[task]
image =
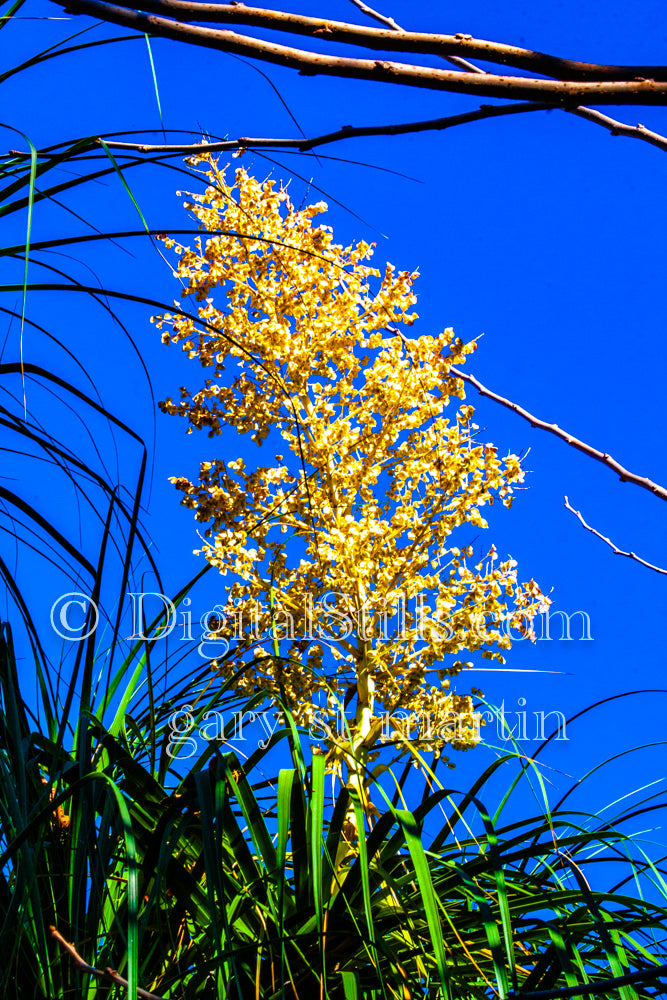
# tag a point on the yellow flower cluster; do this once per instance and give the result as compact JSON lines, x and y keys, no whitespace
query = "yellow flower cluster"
{"x":357,"y":523}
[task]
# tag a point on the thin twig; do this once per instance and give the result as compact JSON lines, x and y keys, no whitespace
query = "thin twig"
{"x":389,"y":22}
{"x":604,"y":457}
{"x":346,"y":132}
{"x":107,"y":974}
{"x":464,"y":64}
{"x":352,"y":131}
{"x":614,"y":548}
{"x":601,"y":85}
{"x":382,"y":18}
{"x":434,"y":124}
{"x":620,"y":128}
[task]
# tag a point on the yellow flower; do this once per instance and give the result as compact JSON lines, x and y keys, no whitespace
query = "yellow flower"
{"x":378,"y":480}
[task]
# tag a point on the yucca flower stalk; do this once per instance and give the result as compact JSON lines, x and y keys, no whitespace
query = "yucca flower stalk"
{"x":383,"y":471}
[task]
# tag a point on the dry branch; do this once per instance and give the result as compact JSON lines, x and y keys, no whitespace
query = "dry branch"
{"x":110,"y":975}
{"x":614,"y":548}
{"x":600,"y":84}
{"x":624,"y":474}
{"x":391,"y":23}
{"x":353,"y":131}
{"x":391,"y":38}
{"x":346,"y":132}
{"x":614,"y":127}
{"x":402,"y":128}
{"x":619,"y":128}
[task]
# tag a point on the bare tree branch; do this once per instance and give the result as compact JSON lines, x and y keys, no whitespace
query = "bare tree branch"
{"x":346,"y":132}
{"x":619,"y":128}
{"x":389,"y":22}
{"x":510,"y":55}
{"x":601,"y":85}
{"x":624,"y":474}
{"x":614,"y":548}
{"x":392,"y":38}
{"x":434,"y":124}
{"x":108,"y":974}
{"x":616,"y":128}
{"x":352,"y":131}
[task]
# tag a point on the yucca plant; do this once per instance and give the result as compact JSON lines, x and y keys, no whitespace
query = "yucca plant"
{"x":467,"y":911}
{"x":216,"y":876}
{"x":228,"y":883}
{"x":127,"y":870}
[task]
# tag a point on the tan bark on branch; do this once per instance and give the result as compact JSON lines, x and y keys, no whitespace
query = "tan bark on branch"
{"x":389,"y":22}
{"x":620,"y":128}
{"x":614,"y":548}
{"x":393,"y":38}
{"x":346,"y":132}
{"x":356,"y":131}
{"x":400,"y":128}
{"x":600,"y":85}
{"x":624,"y":474}
{"x":110,"y":975}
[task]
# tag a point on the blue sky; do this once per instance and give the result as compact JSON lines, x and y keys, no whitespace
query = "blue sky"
{"x":540,"y":233}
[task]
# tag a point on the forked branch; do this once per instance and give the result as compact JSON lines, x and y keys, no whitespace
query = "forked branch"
{"x":356,"y":131}
{"x":400,"y":128}
{"x":574,"y":84}
{"x":388,"y":39}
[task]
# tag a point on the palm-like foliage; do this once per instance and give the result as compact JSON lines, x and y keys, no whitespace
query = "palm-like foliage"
{"x":232,"y":884}
{"x":231,"y":880}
